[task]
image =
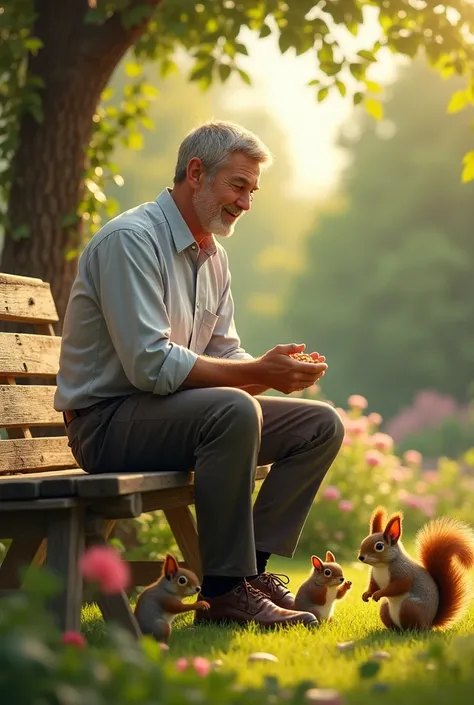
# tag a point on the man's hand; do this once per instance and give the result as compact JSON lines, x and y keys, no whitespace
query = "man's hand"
{"x":277,"y":370}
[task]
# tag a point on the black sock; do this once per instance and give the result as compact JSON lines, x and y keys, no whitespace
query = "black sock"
{"x":215,"y":585}
{"x":262,"y":558}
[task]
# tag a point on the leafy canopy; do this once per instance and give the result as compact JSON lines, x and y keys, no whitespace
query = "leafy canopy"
{"x":212,"y":34}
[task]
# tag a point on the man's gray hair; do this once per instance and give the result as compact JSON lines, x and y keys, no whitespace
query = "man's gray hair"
{"x":213,"y":142}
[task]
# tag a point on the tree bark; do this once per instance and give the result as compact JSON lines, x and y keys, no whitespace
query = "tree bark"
{"x":75,"y":63}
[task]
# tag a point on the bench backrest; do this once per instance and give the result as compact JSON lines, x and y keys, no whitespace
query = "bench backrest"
{"x":28,"y":367}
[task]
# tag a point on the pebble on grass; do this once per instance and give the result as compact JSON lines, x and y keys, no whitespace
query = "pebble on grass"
{"x":324,"y":696}
{"x":381,"y":656}
{"x":262,"y":656}
{"x":346,"y":646}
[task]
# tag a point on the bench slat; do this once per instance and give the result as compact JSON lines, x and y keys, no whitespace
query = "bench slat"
{"x":25,"y":355}
{"x":26,"y":299}
{"x":28,"y":405}
{"x":32,"y":455}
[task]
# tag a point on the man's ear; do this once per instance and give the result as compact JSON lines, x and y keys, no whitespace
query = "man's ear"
{"x":393,"y":530}
{"x":194,"y":172}
{"x":330,"y":557}
{"x":317,"y":562}
{"x":170,"y":566}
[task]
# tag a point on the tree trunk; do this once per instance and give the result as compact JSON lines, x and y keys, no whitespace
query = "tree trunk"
{"x":75,"y":63}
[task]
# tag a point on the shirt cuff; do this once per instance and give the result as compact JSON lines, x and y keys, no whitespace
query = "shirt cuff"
{"x":174,"y":370}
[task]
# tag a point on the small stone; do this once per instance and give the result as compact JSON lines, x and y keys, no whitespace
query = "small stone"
{"x":324,"y":696}
{"x":164,"y":647}
{"x":217,"y":663}
{"x":262,"y":656}
{"x":345,"y":645}
{"x":381,"y":656}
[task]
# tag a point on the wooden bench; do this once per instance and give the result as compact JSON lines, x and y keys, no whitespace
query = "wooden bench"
{"x":49,"y":507}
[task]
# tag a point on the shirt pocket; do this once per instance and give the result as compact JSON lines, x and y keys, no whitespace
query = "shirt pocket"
{"x":206,"y":329}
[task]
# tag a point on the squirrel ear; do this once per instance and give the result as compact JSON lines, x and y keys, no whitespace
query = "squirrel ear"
{"x":330,"y":557}
{"x":317,"y":562}
{"x":393,"y":530}
{"x":170,"y":566}
{"x":377,"y":520}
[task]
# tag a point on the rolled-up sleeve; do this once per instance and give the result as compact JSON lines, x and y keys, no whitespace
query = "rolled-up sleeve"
{"x":127,"y":276}
{"x":225,"y":341}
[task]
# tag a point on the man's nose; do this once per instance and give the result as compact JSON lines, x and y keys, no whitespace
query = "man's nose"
{"x":243,"y":202}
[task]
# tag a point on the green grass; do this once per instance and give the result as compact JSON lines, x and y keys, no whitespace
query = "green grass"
{"x":312,"y":655}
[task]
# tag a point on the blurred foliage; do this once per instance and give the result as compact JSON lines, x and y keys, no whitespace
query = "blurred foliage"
{"x":392,"y":271}
{"x":210,"y":33}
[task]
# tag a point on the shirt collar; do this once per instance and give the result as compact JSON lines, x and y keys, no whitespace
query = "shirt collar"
{"x":181,"y":234}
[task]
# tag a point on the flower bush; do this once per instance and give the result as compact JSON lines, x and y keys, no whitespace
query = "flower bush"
{"x":366,"y":473}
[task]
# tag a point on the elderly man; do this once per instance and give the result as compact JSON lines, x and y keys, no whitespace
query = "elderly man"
{"x":153,"y":377}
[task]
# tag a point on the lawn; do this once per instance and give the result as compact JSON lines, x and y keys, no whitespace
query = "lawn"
{"x":434,"y":668}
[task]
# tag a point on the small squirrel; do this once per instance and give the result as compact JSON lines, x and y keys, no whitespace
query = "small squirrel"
{"x":159,"y":603}
{"x":325,"y":585}
{"x":432,"y":591}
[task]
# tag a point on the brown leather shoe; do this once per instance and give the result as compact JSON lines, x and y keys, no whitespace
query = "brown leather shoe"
{"x":272,"y":585}
{"x":244,"y":604}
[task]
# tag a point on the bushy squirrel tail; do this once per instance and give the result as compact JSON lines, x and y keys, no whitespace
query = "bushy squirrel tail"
{"x":445,"y":548}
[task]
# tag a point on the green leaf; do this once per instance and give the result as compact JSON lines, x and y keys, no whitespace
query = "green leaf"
{"x":358,"y":71}
{"x":241,"y":49}
{"x":133,"y":69}
{"x":468,"y":170}
{"x":244,"y":76}
{"x":224,"y":72}
{"x":32,"y":44}
{"x":265,"y":31}
{"x":202,"y":69}
{"x":372,"y":86}
{"x":357,"y":98}
{"x":135,"y":140}
{"x":367,"y":55}
{"x":369,"y":669}
{"x":459,"y":101}
{"x":314,"y":82}
{"x":341,"y":88}
{"x":322,"y":94}
{"x":374,"y":108}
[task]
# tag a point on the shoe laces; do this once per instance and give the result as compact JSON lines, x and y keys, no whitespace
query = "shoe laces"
{"x":249,"y":593}
{"x":274,"y":580}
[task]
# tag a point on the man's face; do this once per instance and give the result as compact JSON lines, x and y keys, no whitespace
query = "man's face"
{"x":219,"y":204}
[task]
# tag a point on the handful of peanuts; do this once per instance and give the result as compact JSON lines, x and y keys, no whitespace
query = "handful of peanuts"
{"x":304,"y":357}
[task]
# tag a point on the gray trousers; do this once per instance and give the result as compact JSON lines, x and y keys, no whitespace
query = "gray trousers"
{"x":223,"y":433}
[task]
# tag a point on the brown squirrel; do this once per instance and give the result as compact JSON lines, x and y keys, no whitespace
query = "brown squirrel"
{"x":159,"y":603}
{"x":325,"y":585}
{"x":430,"y":592}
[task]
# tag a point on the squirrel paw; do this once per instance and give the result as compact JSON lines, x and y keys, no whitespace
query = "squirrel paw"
{"x":202,"y":605}
{"x":377,"y":595}
{"x":366,"y":596}
{"x":348,"y":584}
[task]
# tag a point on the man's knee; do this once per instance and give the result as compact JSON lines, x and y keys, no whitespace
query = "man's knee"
{"x":242,"y":410}
{"x":331,"y":424}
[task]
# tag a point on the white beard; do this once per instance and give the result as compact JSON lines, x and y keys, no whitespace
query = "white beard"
{"x":210,"y":214}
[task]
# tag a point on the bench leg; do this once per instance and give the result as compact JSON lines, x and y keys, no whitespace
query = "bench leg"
{"x":23,"y":551}
{"x":65,"y":546}
{"x":115,"y":608}
{"x":183,"y":526}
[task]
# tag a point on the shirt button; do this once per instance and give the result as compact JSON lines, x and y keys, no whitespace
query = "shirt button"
{"x":197,"y":307}
{"x":193,"y":247}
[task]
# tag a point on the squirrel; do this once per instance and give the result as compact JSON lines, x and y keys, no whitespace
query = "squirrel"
{"x":325,"y":585}
{"x":159,"y":603}
{"x":430,"y":592}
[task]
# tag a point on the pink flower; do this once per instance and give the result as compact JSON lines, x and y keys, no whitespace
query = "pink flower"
{"x":74,"y":639}
{"x":202,"y":666}
{"x":331,"y":493}
{"x":413,"y":457}
{"x":357,"y":427}
{"x":357,"y":401}
{"x":347,"y":441}
{"x":182,"y":664}
{"x":430,"y":475}
{"x":382,"y":441}
{"x":345,"y":505}
{"x":374,"y":419}
{"x":373,"y":458}
{"x":103,"y":564}
{"x":397,"y":474}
